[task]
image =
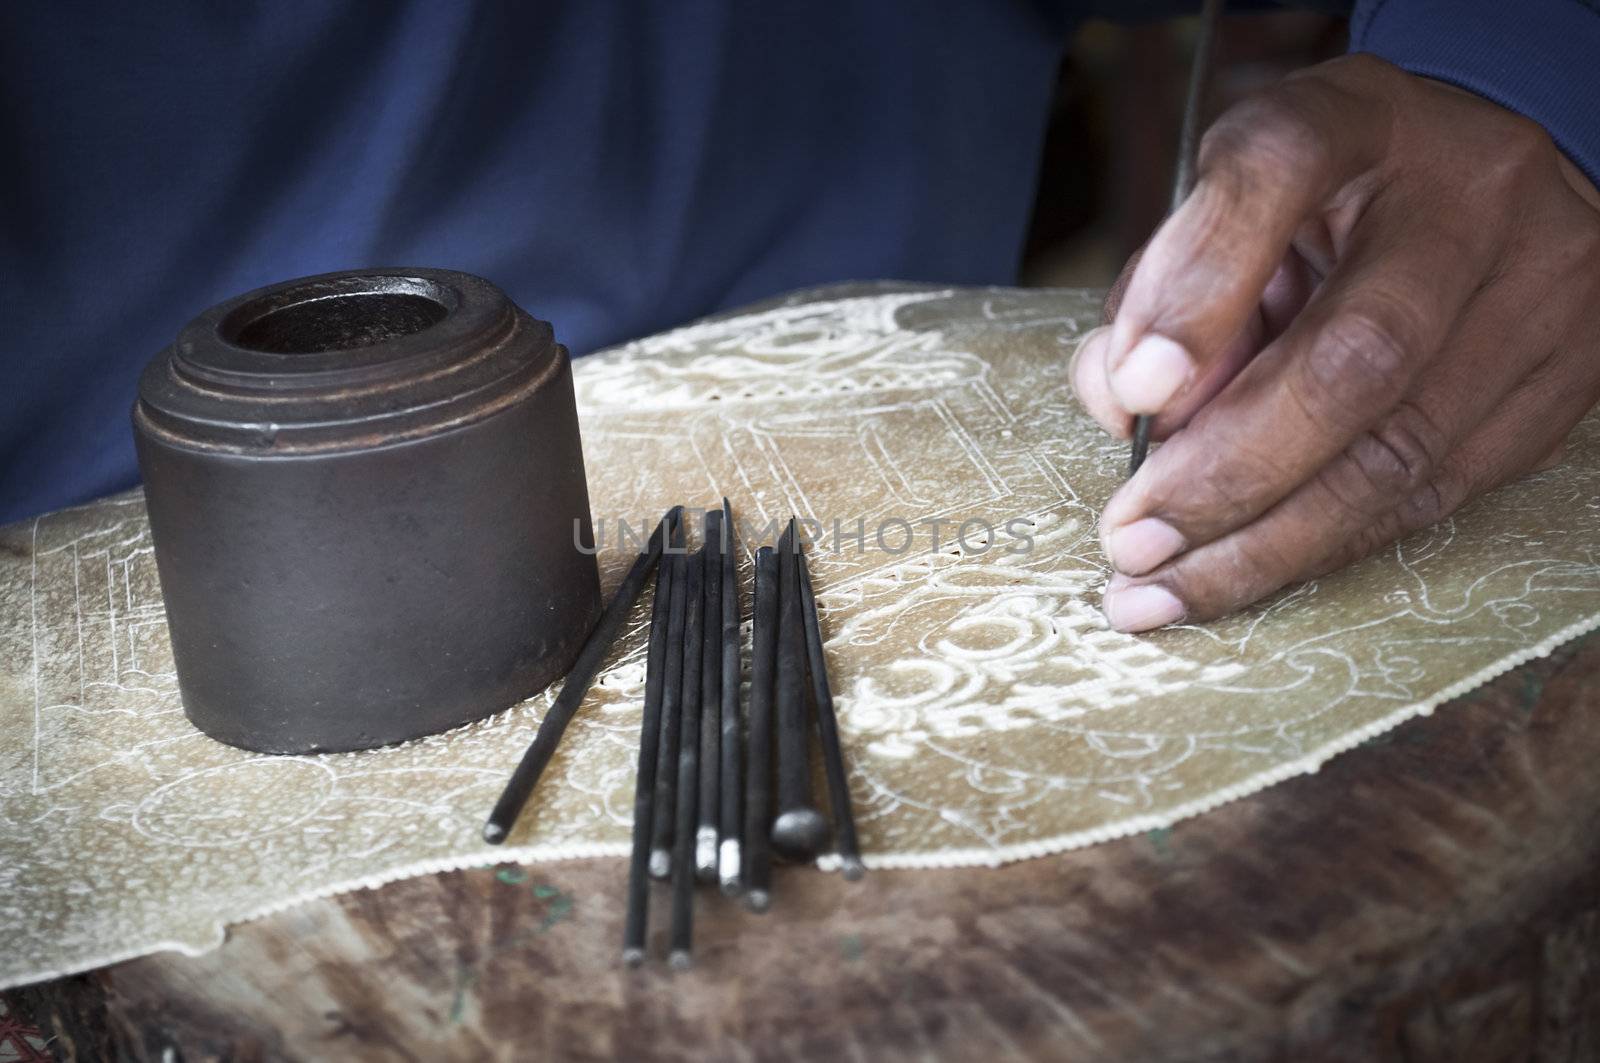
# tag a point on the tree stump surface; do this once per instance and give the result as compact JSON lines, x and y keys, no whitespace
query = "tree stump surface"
{"x":1431,"y":895}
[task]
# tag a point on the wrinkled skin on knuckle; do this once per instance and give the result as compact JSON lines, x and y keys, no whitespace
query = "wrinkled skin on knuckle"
{"x":1362,"y":359}
{"x":1400,"y":455}
{"x":1392,"y":464}
{"x":1378,"y":470}
{"x":1429,"y":502}
{"x":1379,"y":528}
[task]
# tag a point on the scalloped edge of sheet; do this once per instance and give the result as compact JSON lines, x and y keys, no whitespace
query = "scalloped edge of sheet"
{"x":950,"y":858}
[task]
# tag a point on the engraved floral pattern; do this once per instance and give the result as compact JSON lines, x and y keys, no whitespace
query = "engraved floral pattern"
{"x":988,"y":712}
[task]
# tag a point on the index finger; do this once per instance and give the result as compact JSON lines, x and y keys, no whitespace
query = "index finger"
{"x":1265,"y":167}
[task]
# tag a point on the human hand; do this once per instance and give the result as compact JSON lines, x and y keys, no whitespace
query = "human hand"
{"x":1381,"y":300}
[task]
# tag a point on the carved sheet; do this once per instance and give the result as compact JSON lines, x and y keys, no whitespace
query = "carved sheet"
{"x":987,"y":711}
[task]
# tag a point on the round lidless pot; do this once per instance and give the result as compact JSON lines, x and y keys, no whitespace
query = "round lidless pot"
{"x":366,"y":491}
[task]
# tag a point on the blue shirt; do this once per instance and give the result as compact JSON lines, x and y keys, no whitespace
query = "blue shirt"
{"x":616,"y":170}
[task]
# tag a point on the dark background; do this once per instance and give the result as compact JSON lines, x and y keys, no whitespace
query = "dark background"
{"x":1106,"y":176}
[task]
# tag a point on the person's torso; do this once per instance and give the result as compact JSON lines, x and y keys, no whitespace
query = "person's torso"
{"x":615,"y":168}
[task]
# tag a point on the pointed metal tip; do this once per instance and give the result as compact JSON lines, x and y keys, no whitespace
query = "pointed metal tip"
{"x":493,"y":833}
{"x":1141,"y":443}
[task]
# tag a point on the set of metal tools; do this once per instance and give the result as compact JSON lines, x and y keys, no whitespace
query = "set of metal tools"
{"x":718,"y":791}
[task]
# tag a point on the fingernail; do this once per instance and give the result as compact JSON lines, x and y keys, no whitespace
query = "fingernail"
{"x":1139,"y":547}
{"x":1151,"y":374}
{"x":1141,"y":608}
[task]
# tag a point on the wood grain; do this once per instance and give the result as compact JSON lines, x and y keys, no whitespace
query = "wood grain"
{"x":1430,"y":896}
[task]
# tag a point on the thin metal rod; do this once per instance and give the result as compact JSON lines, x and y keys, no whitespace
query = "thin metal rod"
{"x":637,"y":926}
{"x":758,"y":764}
{"x":1186,"y":171}
{"x":1200,"y":70}
{"x":800,"y":832}
{"x":688,"y":765}
{"x":732,"y":817}
{"x":844,"y":819}
{"x":1141,"y":442}
{"x":566,"y":703}
{"x":705,"y":839}
{"x":661,"y":821}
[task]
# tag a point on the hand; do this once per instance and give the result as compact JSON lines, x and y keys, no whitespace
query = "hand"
{"x":1381,"y":300}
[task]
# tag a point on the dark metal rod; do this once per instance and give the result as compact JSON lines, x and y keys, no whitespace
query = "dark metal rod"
{"x":800,"y":831}
{"x":671,"y":705}
{"x":1184,"y":174}
{"x":844,"y":819}
{"x":566,"y":703}
{"x":758,"y":759}
{"x":637,"y":925}
{"x":732,"y":745}
{"x":1200,"y":68}
{"x":688,"y":765}
{"x":705,"y":839}
{"x":1141,"y":443}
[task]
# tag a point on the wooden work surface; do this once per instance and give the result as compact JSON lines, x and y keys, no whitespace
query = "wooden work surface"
{"x":1432,"y":895}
